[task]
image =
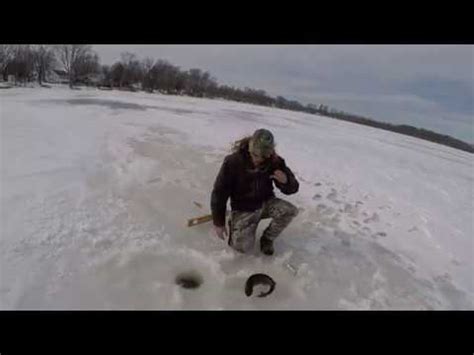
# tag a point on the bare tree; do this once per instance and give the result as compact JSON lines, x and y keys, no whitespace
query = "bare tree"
{"x":116,"y":74}
{"x":147,"y":66}
{"x":194,"y":82}
{"x":85,"y":66}
{"x":212,"y":87}
{"x":106,"y":77}
{"x":170,"y":78}
{"x":22,"y":63}
{"x":70,"y":55}
{"x":181,"y":80}
{"x":127,"y":57}
{"x":159,"y":76}
{"x":7,"y":52}
{"x":133,"y":70}
{"x":44,"y":60}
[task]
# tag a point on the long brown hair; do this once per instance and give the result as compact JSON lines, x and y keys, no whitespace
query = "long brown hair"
{"x":240,"y":144}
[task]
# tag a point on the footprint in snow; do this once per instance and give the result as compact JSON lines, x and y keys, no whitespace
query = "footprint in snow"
{"x":456,"y":262}
{"x":332,"y":196}
{"x":373,"y":218}
{"x":344,"y":238}
{"x":346,"y":242}
{"x":379,"y":234}
{"x":154,"y":180}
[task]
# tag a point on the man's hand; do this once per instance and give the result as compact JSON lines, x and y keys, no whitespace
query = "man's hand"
{"x":280,"y":176}
{"x":221,"y":231}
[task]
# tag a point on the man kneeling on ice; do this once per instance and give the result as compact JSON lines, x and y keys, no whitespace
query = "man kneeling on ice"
{"x":247,"y":176}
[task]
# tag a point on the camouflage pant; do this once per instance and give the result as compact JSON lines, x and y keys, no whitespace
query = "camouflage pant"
{"x":243,"y":225}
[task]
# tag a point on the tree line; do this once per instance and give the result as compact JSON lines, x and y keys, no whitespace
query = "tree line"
{"x":27,"y":63}
{"x":80,"y":64}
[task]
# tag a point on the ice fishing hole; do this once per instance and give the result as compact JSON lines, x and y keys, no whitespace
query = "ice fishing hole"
{"x":189,"y":279}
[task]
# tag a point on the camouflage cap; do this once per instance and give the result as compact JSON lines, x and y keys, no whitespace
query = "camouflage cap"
{"x":262,"y":143}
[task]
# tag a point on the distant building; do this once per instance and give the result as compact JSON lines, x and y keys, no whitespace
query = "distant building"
{"x":58,"y":76}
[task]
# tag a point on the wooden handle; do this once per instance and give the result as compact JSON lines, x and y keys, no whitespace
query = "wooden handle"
{"x":198,"y":220}
{"x":202,"y":219}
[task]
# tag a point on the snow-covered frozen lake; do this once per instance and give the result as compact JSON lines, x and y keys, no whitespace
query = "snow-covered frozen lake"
{"x":96,"y":188}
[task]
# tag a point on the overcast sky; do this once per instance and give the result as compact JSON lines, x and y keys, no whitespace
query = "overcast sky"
{"x":428,"y":86}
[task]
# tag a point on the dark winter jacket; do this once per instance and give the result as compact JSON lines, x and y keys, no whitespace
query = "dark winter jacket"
{"x":246,"y":186}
